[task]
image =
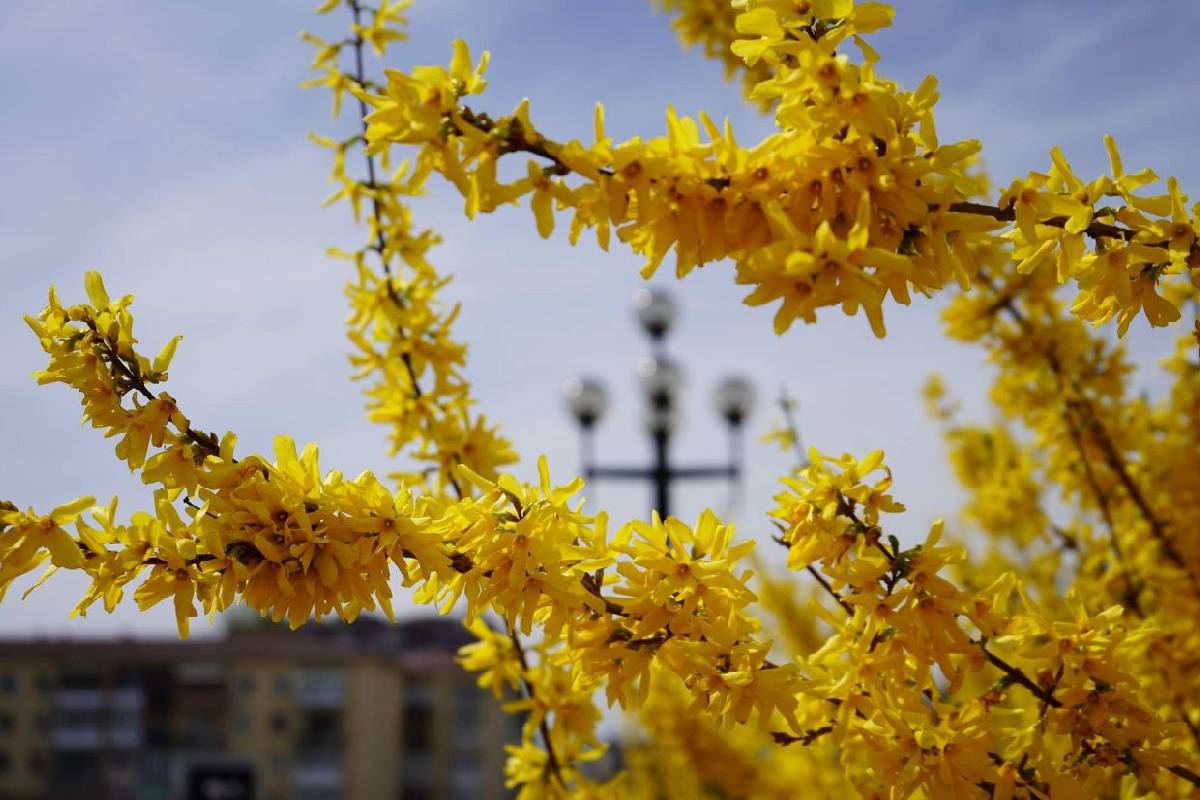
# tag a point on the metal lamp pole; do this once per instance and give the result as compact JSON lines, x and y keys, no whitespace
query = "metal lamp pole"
{"x":662,"y":381}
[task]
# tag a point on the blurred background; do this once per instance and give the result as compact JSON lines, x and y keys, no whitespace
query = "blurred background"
{"x":164,"y":144}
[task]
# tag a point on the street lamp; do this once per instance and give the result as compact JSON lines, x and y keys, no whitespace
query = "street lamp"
{"x":661,"y":380}
{"x":735,"y":399}
{"x":587,"y":398}
{"x":655,"y":311}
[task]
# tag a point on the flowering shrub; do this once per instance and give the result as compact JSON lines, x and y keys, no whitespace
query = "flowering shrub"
{"x":1060,"y":663}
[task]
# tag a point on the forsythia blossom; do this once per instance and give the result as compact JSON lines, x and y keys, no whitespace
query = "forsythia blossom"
{"x":852,"y":200}
{"x":1059,"y":661}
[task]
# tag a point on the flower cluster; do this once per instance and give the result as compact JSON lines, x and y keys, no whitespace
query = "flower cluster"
{"x":401,"y":333}
{"x":852,"y":200}
{"x":1119,"y":463}
{"x":938,"y":691}
{"x":295,"y":544}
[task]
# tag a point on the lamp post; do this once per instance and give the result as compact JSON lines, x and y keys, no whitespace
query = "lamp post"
{"x":661,"y":380}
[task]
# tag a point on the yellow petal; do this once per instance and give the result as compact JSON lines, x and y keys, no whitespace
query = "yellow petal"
{"x":163,"y":360}
{"x":543,"y":213}
{"x":64,"y":551}
{"x":94,"y":285}
{"x":67,"y":512}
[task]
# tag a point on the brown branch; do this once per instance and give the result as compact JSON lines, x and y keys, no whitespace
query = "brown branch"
{"x":808,"y":737}
{"x":828,"y":588}
{"x":1095,"y":230}
{"x":551,"y":758}
{"x":515,"y":139}
{"x":593,"y":582}
{"x":793,"y":429}
{"x":820,"y":578}
{"x":460,"y":562}
{"x":1112,"y":456}
{"x":1185,"y":773}
{"x":380,"y":246}
{"x":207,"y":442}
{"x":846,"y":508}
{"x":1191,"y":726}
{"x":1013,"y":675}
{"x":1132,"y":592}
{"x":1018,"y":677}
{"x":873,"y":533}
{"x":1158,"y":528}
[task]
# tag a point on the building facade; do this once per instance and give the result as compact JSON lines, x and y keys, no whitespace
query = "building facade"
{"x":368,"y":711}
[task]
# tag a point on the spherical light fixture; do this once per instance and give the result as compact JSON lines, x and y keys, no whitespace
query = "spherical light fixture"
{"x":735,"y":399}
{"x":661,"y":379}
{"x":587,"y":399}
{"x":655,"y":311}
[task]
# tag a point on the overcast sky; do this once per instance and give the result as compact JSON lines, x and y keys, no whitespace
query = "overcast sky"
{"x":164,"y":144}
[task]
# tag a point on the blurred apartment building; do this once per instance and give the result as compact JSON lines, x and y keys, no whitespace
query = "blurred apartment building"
{"x":329,"y":712}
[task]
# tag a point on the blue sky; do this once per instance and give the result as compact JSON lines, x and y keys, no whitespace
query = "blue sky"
{"x":164,"y":143}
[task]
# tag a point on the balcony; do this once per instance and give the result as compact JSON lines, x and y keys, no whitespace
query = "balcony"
{"x":320,"y":690}
{"x":318,"y":772}
{"x":77,"y":738}
{"x":99,"y":699}
{"x":96,"y":737}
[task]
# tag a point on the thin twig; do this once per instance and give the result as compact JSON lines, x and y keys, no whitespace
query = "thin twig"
{"x":514,"y":138}
{"x":828,"y":588}
{"x":551,"y":758}
{"x":787,"y":408}
{"x":1185,"y":773}
{"x":1132,"y":592}
{"x":1112,"y":456}
{"x":1018,"y":677}
{"x":205,"y":441}
{"x":377,"y":213}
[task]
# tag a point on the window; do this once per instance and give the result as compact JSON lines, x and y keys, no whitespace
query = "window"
{"x":320,"y":689}
{"x":320,"y":731}
{"x":418,"y":716}
{"x":80,"y":680}
{"x":5,"y":762}
{"x":466,"y":782}
{"x":282,"y":684}
{"x":8,"y":683}
{"x":467,"y":708}
{"x":6,"y":722}
{"x":245,"y":683}
{"x":416,"y":777}
{"x":199,"y":731}
{"x":416,"y":791}
{"x":467,"y":720}
{"x":418,"y":728}
{"x":418,"y":692}
{"x":279,"y":722}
